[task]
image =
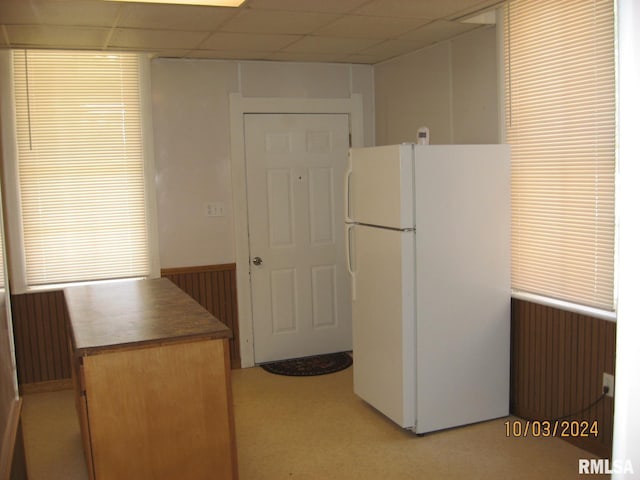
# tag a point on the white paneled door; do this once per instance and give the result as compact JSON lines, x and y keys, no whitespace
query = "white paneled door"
{"x":299,"y":282}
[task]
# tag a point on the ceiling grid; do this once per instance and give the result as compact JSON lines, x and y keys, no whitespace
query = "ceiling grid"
{"x":343,"y":31}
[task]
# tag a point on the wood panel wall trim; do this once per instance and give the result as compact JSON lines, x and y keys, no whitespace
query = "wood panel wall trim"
{"x":40,"y":322}
{"x":202,"y":268}
{"x":48,"y":386}
{"x":11,"y":442}
{"x":215,"y":288}
{"x":557,"y":361}
{"x":40,"y":332}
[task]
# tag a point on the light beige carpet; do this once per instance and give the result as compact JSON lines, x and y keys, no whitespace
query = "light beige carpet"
{"x":315,"y":428}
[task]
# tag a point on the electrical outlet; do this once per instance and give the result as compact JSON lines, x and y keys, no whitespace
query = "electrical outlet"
{"x":607,"y":381}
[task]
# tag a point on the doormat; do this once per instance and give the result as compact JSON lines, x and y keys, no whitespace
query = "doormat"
{"x":309,"y":366}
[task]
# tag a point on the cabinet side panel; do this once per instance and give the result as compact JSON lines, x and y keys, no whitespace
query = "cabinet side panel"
{"x":77,"y":376}
{"x":161,"y":412}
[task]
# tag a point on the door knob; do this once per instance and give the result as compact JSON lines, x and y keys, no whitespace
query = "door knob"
{"x":257,"y":261}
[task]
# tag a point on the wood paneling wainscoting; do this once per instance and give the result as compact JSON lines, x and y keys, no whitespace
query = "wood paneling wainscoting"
{"x":213,"y":287}
{"x":40,"y":329}
{"x":40,"y":322}
{"x":557,"y":362}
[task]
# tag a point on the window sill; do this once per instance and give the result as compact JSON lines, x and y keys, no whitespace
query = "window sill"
{"x":564,"y":305}
{"x":61,"y":286}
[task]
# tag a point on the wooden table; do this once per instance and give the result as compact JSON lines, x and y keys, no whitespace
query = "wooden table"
{"x":152,"y":379}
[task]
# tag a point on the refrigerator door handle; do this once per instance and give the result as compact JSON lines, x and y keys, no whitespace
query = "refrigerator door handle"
{"x":349,"y":252}
{"x":347,"y":195}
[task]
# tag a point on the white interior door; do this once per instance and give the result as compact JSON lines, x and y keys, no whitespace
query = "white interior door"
{"x":300,"y":288}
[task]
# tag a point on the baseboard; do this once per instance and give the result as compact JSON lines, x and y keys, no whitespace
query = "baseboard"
{"x":49,"y":386}
{"x":198,"y":269}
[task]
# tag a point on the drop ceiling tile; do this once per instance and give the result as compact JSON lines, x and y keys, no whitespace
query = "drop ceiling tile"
{"x":18,"y":12}
{"x":168,"y":53}
{"x":474,"y":8}
{"x":68,"y":12}
{"x":251,"y":32}
{"x":391,"y":48}
{"x":317,"y":6}
{"x":342,"y":45}
{"x":431,"y":9}
{"x":249,"y":42}
{"x":369,"y":59}
{"x":264,"y":21}
{"x":370,"y":27}
{"x":308,"y":57}
{"x":154,"y":52}
{"x":156,"y":39}
{"x":436,"y":31}
{"x":85,"y":13}
{"x":47,"y":36}
{"x":174,"y":17}
{"x":229,"y":55}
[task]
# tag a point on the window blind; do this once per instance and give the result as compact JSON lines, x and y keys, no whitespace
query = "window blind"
{"x":560,"y":115}
{"x":80,"y":165}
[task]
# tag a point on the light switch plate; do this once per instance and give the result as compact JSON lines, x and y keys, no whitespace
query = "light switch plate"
{"x":214,"y":209}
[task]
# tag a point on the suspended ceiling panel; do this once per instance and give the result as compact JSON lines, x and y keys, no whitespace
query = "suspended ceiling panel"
{"x":353,"y":31}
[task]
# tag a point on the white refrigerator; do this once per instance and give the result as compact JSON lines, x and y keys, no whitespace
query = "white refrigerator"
{"x":428,"y":251}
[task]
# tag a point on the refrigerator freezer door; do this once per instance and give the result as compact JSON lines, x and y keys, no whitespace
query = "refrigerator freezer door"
{"x":380,"y":186}
{"x":383,"y":312}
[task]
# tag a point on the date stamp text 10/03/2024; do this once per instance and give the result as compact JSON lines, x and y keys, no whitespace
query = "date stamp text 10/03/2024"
{"x":551,"y":428}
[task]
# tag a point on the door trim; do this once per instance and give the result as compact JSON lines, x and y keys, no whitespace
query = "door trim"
{"x":238,"y":107}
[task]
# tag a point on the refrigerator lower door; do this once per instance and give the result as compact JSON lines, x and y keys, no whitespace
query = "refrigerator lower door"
{"x":383,"y":262}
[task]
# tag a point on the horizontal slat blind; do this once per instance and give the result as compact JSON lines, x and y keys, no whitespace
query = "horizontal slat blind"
{"x":560,"y":111}
{"x":79,"y":135}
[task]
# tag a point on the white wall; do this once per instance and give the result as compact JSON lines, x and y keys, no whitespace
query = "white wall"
{"x":450,"y":87}
{"x":626,"y":424}
{"x":475,"y":88}
{"x":191,"y":141}
{"x":191,"y":131}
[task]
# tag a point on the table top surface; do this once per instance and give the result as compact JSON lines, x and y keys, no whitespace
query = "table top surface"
{"x":115,"y":315}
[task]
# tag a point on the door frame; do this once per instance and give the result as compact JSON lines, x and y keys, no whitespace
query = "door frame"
{"x":238,"y":107}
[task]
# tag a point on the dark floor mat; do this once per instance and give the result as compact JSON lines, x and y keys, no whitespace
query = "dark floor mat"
{"x":309,"y":366}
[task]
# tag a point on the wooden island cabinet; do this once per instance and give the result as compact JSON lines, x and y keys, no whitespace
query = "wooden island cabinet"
{"x":152,"y":378}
